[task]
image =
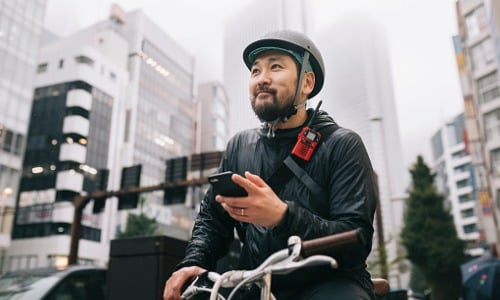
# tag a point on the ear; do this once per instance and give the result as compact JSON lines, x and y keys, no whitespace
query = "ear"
{"x":308,"y":83}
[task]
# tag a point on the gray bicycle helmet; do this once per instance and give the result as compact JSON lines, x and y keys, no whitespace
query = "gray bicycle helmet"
{"x":291,"y":42}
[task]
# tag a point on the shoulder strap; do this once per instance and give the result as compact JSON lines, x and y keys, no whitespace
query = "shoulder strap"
{"x":294,"y":166}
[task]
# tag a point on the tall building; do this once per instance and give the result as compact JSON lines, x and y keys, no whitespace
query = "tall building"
{"x":21,"y":25}
{"x":477,"y":52}
{"x":114,"y":95}
{"x":213,"y":115}
{"x":71,"y":141}
{"x":159,"y":111}
{"x":359,"y":95}
{"x":452,"y":165}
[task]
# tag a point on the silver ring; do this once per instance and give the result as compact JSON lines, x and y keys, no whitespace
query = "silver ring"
{"x":242,"y":212}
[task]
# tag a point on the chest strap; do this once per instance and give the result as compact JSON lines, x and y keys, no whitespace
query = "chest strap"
{"x":293,"y":166}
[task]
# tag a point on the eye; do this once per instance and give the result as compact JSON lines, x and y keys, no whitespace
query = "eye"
{"x":254,"y":71}
{"x":276,"y":66}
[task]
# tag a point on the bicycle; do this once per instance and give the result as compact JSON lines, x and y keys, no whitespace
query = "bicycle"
{"x":298,"y":255}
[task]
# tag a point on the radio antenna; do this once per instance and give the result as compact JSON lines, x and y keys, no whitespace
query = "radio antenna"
{"x":314,"y":113}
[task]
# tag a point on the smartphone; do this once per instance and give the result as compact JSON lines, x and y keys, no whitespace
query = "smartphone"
{"x":223,"y":185}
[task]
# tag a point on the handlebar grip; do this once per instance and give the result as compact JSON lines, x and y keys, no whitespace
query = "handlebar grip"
{"x":330,"y":243}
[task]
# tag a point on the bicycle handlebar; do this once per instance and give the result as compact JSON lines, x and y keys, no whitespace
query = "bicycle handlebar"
{"x":299,"y":254}
{"x":327,"y":244}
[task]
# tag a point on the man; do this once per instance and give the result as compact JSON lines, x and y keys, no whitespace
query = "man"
{"x":336,"y":194}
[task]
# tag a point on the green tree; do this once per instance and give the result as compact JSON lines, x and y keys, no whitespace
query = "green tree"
{"x":417,"y":280}
{"x":430,"y":237}
{"x":139,"y":225}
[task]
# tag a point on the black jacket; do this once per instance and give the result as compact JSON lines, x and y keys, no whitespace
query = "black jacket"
{"x":340,"y":165}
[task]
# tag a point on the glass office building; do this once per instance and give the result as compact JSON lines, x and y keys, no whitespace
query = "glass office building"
{"x":21,"y":25}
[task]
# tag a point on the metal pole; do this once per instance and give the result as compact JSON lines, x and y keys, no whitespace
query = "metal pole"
{"x":384,"y":271}
{"x":79,"y":203}
{"x":76,"y":229}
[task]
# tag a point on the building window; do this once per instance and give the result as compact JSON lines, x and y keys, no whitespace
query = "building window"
{"x":61,"y":63}
{"x":461,"y":169}
{"x":18,"y":144}
{"x":492,"y":125}
{"x":458,"y":154}
{"x":7,"y":141}
{"x":490,"y":95}
{"x":471,"y":228}
{"x":465,"y":198}
{"x":487,"y":82}
{"x":466,"y":213}
{"x":77,"y":111}
{"x":463,"y":183}
{"x":42,"y":68}
{"x":128,"y":119}
{"x":437,"y":145}
{"x":476,"y":22}
{"x":482,"y":55}
{"x":82,"y":59}
{"x":495,"y":161}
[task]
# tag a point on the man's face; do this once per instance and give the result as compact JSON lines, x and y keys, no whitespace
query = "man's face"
{"x":272,"y":86}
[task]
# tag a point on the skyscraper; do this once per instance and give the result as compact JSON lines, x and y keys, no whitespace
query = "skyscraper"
{"x":213,"y":115}
{"x":21,"y":25}
{"x":359,"y":95}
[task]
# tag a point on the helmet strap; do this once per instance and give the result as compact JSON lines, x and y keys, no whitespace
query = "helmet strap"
{"x":293,"y":108}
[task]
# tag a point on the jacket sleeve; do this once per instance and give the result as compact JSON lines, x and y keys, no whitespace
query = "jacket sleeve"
{"x":352,"y":200}
{"x":212,"y":234}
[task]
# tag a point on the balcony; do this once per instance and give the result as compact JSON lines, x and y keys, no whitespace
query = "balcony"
{"x":76,"y":124}
{"x":69,"y":180}
{"x":73,"y":152}
{"x":80,"y":98}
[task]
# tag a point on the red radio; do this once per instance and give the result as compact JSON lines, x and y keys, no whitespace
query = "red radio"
{"x":307,"y":141}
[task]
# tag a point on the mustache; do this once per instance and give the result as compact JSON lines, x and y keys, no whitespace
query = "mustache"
{"x":265,"y":90}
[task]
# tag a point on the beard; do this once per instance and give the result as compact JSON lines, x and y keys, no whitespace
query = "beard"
{"x":270,"y":111}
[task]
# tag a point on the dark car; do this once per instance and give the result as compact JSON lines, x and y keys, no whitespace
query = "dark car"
{"x":71,"y":283}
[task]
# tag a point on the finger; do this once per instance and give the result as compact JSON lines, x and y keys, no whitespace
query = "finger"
{"x":236,"y":212}
{"x":244,"y":182}
{"x":255,"y":179}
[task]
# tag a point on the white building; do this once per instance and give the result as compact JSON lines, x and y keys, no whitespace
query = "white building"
{"x":453,"y":168}
{"x":116,"y":94}
{"x":73,"y":129}
{"x":478,"y":56}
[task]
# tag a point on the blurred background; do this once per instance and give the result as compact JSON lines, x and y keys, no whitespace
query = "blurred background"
{"x":109,"y":95}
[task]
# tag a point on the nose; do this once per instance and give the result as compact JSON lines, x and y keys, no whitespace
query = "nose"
{"x":263,"y":78}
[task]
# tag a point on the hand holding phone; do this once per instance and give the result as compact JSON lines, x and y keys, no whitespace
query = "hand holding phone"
{"x":223,"y":185}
